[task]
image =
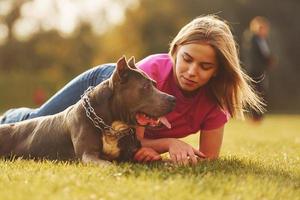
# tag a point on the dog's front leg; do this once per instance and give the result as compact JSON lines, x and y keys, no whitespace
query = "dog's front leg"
{"x":93,"y":158}
{"x":86,"y":141}
{"x":87,"y":148}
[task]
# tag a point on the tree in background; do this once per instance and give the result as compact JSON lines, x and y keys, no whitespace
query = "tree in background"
{"x":148,"y":27}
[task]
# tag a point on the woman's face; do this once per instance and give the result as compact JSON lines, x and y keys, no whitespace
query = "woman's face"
{"x":263,"y":31}
{"x":195,"y":65}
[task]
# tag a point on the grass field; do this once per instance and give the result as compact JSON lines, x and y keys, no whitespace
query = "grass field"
{"x":257,"y":162}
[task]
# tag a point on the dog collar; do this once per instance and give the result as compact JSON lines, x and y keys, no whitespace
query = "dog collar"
{"x":97,"y":121}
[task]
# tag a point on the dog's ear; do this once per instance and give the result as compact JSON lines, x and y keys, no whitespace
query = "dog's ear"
{"x":122,"y":65}
{"x":121,"y":72}
{"x":131,"y":62}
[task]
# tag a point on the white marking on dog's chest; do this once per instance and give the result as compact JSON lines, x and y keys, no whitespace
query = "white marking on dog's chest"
{"x":110,"y":146}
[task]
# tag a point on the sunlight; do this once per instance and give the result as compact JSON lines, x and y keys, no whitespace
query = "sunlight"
{"x":5,"y":7}
{"x":3,"y":33}
{"x":65,"y":15}
{"x":25,"y":27}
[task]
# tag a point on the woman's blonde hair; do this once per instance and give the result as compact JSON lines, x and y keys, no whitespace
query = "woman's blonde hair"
{"x":231,"y":87}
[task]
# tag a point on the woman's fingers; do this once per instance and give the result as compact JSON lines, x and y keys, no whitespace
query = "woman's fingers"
{"x":180,"y":158}
{"x":139,"y":155}
{"x":192,"y":157}
{"x":199,"y":153}
{"x":146,"y":158}
{"x":184,"y":159}
{"x":156,"y":158}
{"x":150,"y":158}
{"x":146,"y":154}
{"x":173,"y":158}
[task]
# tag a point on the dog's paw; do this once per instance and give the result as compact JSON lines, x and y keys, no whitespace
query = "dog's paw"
{"x":103,"y":163}
{"x":94,"y":159}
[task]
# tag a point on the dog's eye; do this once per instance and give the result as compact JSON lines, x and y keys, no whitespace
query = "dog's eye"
{"x":147,"y":86}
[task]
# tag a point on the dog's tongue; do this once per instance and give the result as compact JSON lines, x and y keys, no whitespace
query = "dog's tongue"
{"x":165,"y":122}
{"x":144,"y":120}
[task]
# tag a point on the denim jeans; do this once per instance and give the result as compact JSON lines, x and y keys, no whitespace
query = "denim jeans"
{"x":64,"y":98}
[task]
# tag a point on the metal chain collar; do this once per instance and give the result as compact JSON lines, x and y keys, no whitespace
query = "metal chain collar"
{"x":98,"y":121}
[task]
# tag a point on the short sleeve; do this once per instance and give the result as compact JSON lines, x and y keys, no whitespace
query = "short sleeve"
{"x":157,"y":67}
{"x":215,"y":119}
{"x":148,"y":66}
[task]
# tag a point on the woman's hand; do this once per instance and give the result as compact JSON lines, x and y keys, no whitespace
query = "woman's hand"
{"x":182,"y":153}
{"x":146,"y":154}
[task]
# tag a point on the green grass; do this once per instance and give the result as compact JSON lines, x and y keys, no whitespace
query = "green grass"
{"x":257,"y":162}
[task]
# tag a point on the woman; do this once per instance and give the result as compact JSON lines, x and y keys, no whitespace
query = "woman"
{"x":202,"y":71}
{"x":258,"y":58}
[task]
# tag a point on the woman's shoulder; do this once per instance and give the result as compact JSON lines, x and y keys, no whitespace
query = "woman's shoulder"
{"x":160,"y":59}
{"x":157,"y":66}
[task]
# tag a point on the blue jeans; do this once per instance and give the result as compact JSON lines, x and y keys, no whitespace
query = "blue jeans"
{"x":64,"y":98}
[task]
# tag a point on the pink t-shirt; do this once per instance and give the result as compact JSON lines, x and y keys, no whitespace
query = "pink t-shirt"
{"x":191,"y":114}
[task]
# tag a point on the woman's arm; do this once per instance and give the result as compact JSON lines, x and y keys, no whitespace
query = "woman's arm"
{"x":159,"y":145}
{"x":180,"y":152}
{"x":211,"y":142}
{"x":146,"y":153}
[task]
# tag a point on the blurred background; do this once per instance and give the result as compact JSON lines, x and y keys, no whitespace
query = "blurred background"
{"x":45,"y":43}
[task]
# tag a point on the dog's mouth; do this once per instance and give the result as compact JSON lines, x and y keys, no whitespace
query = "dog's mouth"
{"x":146,"y":120}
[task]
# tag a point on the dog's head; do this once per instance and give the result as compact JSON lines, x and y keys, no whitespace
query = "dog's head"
{"x":135,"y":99}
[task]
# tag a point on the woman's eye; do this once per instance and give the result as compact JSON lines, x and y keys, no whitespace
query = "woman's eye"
{"x":206,"y":67}
{"x":186,"y":59}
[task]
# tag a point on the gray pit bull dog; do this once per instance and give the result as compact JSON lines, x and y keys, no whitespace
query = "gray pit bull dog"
{"x":99,"y":128}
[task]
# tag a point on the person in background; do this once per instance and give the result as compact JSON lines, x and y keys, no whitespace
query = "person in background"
{"x":202,"y":70}
{"x":258,"y":58}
